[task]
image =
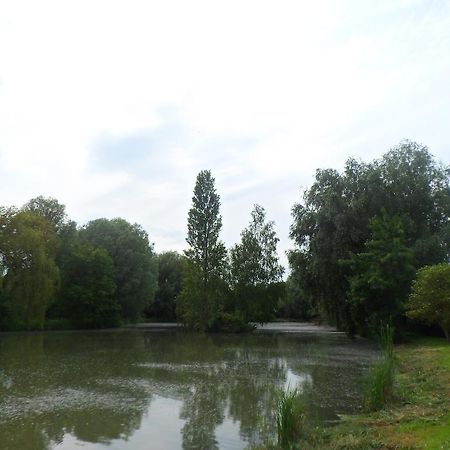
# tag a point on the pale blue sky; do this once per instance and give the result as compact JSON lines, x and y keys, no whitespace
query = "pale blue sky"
{"x":114,"y":106}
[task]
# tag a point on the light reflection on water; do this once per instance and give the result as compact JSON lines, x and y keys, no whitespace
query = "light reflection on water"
{"x":167,"y":390}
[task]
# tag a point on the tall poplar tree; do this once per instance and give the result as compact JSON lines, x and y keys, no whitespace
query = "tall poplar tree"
{"x":200,"y":301}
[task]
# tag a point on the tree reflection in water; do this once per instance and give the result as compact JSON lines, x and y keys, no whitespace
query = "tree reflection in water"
{"x":98,"y":386}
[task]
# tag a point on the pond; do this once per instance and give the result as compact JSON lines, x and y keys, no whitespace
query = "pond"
{"x":169,"y":389}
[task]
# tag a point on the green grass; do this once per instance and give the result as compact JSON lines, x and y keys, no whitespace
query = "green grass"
{"x":416,"y":418}
{"x":440,"y":346}
{"x":433,"y":433}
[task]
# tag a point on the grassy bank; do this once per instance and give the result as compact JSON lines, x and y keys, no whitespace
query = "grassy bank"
{"x":418,"y":417}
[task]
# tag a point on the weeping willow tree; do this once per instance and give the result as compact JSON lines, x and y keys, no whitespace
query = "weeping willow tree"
{"x":30,"y":277}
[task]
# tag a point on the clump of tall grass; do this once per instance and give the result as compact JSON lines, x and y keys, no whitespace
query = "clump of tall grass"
{"x":379,"y":385}
{"x":290,"y":417}
{"x":386,"y":338}
{"x":380,"y":381}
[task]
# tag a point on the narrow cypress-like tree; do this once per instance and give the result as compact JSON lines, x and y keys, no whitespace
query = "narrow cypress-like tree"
{"x":199,"y":302}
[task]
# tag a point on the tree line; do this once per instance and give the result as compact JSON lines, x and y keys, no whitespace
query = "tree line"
{"x":228,"y":290}
{"x":54,"y":274}
{"x":360,"y":236}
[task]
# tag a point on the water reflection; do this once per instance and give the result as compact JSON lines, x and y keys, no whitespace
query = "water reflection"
{"x":167,"y":390}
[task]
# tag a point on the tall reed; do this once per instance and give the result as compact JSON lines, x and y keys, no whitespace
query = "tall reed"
{"x":380,"y":381}
{"x":289,"y":417}
{"x":386,"y":339}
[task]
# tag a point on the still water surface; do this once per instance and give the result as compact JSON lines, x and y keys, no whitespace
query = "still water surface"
{"x":168,"y":389}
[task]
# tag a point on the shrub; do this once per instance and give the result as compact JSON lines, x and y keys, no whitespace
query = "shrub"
{"x":430,"y":297}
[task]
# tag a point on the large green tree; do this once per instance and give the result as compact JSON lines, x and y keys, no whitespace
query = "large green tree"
{"x":324,"y":233}
{"x":5,"y":216}
{"x":417,"y":188}
{"x":201,"y":298}
{"x":255,"y":269}
{"x":333,"y":220}
{"x":30,"y":277}
{"x":255,"y":260}
{"x":50,"y":209}
{"x":135,"y":263}
{"x":87,"y":288}
{"x":381,"y":274}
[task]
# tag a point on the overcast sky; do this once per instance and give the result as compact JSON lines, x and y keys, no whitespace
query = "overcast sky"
{"x":113,"y":107}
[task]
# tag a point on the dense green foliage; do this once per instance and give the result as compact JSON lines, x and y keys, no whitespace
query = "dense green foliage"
{"x":170,"y":266}
{"x":345,"y":260}
{"x":30,"y":276}
{"x":381,"y":275}
{"x":50,"y":209}
{"x":50,"y":270}
{"x":294,"y":304}
{"x":87,"y":290}
{"x":200,"y":307}
{"x":53,"y":274}
{"x":135,"y":264}
{"x":430,"y":297}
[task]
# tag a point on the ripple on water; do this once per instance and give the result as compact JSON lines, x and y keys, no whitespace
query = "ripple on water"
{"x":130,"y":390}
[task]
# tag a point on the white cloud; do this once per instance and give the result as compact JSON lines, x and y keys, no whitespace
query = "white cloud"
{"x":261,"y":92}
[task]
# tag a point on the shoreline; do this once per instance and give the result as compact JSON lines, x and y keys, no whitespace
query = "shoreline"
{"x":270,"y":327}
{"x":418,"y":417}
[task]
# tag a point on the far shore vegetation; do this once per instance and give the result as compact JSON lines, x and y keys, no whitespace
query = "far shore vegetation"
{"x":360,"y":238}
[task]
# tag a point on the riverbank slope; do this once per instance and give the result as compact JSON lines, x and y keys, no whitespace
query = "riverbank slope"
{"x":417,"y":418}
